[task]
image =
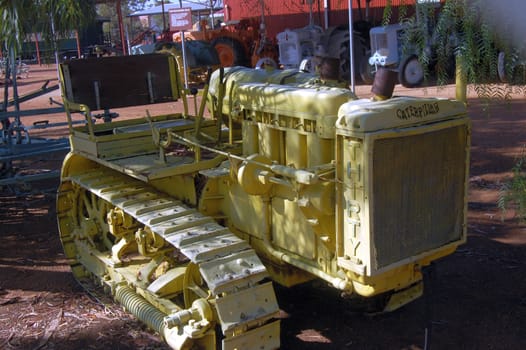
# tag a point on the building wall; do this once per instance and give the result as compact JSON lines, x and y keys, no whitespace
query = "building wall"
{"x":290,"y":14}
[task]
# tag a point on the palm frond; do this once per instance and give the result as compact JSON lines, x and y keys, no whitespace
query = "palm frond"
{"x":22,"y":17}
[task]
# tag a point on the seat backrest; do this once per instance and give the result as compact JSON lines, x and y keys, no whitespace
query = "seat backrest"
{"x":121,"y":81}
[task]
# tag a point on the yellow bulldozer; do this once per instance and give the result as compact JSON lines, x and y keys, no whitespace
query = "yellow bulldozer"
{"x":188,"y":221}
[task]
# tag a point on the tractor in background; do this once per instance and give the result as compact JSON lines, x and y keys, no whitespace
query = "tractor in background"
{"x":387,"y":52}
{"x":238,"y":43}
{"x":326,"y":51}
{"x":308,"y":47}
{"x":395,"y":47}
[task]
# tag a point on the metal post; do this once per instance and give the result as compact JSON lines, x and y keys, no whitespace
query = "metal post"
{"x":37,"y":47}
{"x":12,"y":61}
{"x":78,"y":43}
{"x":184,"y":53}
{"x":326,"y":13}
{"x":121,"y":27}
{"x":311,"y":16}
{"x":164,"y":19}
{"x":212,"y":13}
{"x":128,"y":41}
{"x":184,"y":60}
{"x":55,"y":46}
{"x":351,"y":49}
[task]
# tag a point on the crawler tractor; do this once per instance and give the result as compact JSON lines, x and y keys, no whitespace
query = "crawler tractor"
{"x":187,"y":221}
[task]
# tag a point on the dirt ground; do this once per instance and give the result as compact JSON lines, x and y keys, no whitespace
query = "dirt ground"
{"x":478,"y":298}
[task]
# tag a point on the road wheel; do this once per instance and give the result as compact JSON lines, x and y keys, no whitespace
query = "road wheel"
{"x":411,"y":72}
{"x":230,"y":52}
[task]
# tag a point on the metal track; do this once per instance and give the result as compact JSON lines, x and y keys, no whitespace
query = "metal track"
{"x":228,"y":265}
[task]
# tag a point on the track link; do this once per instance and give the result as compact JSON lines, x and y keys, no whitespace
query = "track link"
{"x":243,"y":304}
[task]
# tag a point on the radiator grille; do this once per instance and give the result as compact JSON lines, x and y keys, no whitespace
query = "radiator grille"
{"x":418,"y":193}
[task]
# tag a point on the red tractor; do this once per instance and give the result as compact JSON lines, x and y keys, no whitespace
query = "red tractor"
{"x":238,"y":43}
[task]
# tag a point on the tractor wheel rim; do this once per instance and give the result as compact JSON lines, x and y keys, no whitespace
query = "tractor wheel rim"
{"x":226,"y":56}
{"x":414,"y":72}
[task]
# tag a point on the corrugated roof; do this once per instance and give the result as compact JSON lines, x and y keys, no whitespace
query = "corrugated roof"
{"x":157,"y":10}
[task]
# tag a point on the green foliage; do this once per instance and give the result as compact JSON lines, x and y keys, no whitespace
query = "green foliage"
{"x":109,"y":10}
{"x":136,"y":5}
{"x":446,"y":40}
{"x":388,"y":11}
{"x":22,"y":17}
{"x":417,"y":36}
{"x":462,"y":33}
{"x":12,"y":26}
{"x":459,"y":30}
{"x":513,"y":66}
{"x":476,"y":44}
{"x":513,"y":194}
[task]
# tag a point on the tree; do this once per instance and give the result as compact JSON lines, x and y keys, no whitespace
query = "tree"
{"x":486,"y":37}
{"x":49,"y":17}
{"x":127,"y":7}
{"x":137,"y":5}
{"x":480,"y":34}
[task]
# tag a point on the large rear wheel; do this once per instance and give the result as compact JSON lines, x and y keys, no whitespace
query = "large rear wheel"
{"x":230,"y":52}
{"x":336,"y":42}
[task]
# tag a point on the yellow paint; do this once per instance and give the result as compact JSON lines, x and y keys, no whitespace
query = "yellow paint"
{"x":314,"y":181}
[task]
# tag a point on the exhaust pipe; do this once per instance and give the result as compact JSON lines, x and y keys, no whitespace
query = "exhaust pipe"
{"x":384,"y":83}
